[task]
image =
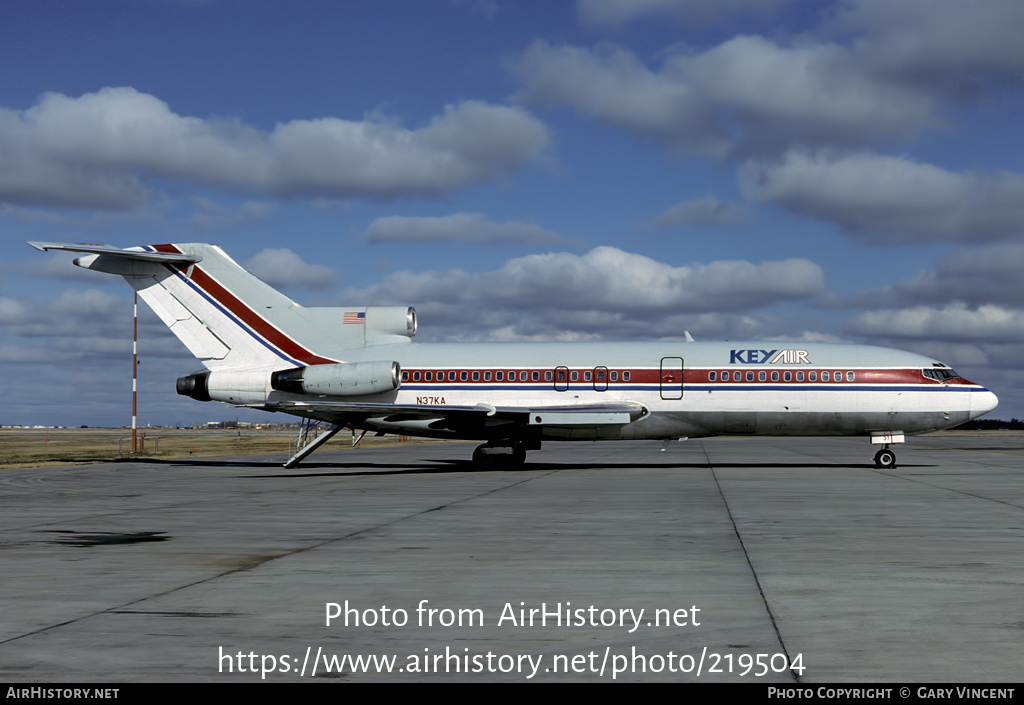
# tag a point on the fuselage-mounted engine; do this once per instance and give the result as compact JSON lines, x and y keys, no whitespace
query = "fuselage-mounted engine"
{"x":253,"y":386}
{"x":344,"y":379}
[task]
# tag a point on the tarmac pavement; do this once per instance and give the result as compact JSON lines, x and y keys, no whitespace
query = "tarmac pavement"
{"x":792,"y":560}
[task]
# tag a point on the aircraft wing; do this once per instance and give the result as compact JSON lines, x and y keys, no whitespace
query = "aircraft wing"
{"x":461,"y":417}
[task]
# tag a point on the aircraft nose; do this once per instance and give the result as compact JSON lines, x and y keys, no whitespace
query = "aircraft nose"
{"x":982,"y":402}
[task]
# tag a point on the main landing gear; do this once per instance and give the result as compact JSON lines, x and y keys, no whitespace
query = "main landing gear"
{"x":503,"y":453}
{"x":885,"y":459}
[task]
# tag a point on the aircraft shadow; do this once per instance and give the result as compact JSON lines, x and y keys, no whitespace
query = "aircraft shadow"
{"x":461,"y":465}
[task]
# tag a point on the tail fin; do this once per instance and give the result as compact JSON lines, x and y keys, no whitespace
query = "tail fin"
{"x":228,"y":317}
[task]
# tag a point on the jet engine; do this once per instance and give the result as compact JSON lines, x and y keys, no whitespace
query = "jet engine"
{"x":251,"y":386}
{"x":391,"y":320}
{"x":245,"y":386}
{"x":195,"y":385}
{"x":344,"y":379}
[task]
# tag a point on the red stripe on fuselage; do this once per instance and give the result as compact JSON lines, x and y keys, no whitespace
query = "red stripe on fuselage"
{"x":242,"y":312}
{"x":652,"y":375}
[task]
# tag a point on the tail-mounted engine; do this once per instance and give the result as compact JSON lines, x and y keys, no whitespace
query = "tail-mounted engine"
{"x":345,"y":379}
{"x":392,"y":320}
{"x":195,"y":386}
{"x":252,"y":386}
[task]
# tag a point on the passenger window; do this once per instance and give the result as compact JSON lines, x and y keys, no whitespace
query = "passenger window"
{"x":463,"y":376}
{"x":625,"y":376}
{"x":511,"y":375}
{"x":812,"y":376}
{"x":824,"y":376}
{"x":775,"y":376}
{"x":405,"y":375}
{"x":499,"y":376}
{"x":849,"y":376}
{"x":725,"y":376}
{"x":427,"y":376}
{"x":586,"y":376}
{"x":547,"y":375}
{"x":574,"y":375}
{"x":799,"y":376}
{"x":711,"y":376}
{"x":536,"y":376}
{"x":615,"y":376}
{"x":416,"y":376}
{"x":522,"y":376}
{"x":787,"y":376}
{"x":761,"y":376}
{"x":750,"y":376}
{"x":451,"y":376}
{"x":476,"y":375}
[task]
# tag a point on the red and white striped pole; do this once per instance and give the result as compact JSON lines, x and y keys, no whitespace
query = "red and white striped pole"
{"x":135,"y":365}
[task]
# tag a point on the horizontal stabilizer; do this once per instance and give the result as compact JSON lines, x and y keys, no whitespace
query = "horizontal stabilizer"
{"x":132,"y":254}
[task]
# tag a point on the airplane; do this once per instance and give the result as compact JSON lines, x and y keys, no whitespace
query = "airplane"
{"x":356,"y":367}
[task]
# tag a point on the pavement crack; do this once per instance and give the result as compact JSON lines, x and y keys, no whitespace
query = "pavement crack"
{"x":746,"y":557}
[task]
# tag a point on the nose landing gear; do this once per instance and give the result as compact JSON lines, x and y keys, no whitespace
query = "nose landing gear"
{"x":885,"y":459}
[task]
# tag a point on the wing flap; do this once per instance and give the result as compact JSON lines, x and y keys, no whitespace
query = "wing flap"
{"x":582,"y":415}
{"x":576,"y":418}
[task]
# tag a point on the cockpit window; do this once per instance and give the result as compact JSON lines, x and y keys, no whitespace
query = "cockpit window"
{"x":940,"y":374}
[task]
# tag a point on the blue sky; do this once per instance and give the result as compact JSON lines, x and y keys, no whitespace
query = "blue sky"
{"x":591,"y":170}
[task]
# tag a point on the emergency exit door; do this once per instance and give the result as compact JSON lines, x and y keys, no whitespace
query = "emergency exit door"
{"x":671,"y":378}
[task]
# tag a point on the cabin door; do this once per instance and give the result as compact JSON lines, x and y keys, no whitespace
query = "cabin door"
{"x":671,"y":378}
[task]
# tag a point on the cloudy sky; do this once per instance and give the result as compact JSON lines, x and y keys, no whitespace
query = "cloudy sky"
{"x":516,"y":170}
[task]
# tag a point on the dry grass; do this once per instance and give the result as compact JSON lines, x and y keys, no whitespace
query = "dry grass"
{"x":34,"y":447}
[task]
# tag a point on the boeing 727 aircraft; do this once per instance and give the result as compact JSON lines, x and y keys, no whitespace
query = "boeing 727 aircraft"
{"x":356,"y":367}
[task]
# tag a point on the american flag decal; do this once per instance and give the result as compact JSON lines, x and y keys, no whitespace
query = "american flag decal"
{"x":353,"y":317}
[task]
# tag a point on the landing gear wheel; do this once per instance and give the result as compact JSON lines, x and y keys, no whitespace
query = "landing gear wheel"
{"x":885,"y":459}
{"x":518,"y":456}
{"x":481,"y":458}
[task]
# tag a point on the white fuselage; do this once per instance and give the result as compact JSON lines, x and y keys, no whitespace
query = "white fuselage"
{"x":691,"y":389}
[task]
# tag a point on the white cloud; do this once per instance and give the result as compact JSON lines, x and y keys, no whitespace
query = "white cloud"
{"x":809,"y":94}
{"x":211,"y":215}
{"x":81,"y":330}
{"x":891,"y":199}
{"x":707,"y":211}
{"x":748,"y":95}
{"x":605,"y":292}
{"x":100,"y":149}
{"x":458,"y":227}
{"x":613,"y":85}
{"x":616,"y":13}
{"x":282,"y":267}
{"x":949,"y":46}
{"x":954,"y":322}
{"x":973,"y":275}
